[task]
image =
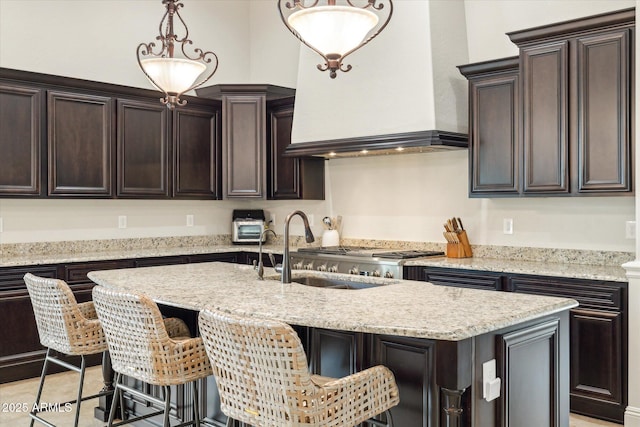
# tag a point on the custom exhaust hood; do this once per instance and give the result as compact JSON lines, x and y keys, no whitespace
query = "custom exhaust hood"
{"x":403,"y":95}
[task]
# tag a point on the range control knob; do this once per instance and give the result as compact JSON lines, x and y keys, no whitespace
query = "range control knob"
{"x":333,"y":268}
{"x":388,"y":275}
{"x":376,"y":273}
{"x":354,"y":270}
{"x":322,"y":267}
{"x":297,"y":266}
{"x":309,"y":266}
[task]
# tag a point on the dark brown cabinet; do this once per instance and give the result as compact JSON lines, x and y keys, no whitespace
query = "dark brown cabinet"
{"x":80,"y":144}
{"x":494,"y":136}
{"x":21,"y":140}
{"x":256,"y":129}
{"x":196,"y":152}
{"x":560,"y":121}
{"x":143,"y":166}
{"x":290,"y":177}
{"x":598,"y":330}
{"x":74,"y":138}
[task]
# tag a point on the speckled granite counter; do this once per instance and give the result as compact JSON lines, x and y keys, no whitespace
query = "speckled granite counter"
{"x":578,"y":271}
{"x":404,"y":308}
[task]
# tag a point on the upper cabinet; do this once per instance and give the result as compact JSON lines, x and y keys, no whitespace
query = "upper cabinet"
{"x":256,"y":129}
{"x":568,"y":125}
{"x":76,"y":138}
{"x":21,"y":140}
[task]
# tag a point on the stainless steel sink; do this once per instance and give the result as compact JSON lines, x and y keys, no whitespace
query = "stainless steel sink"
{"x":326,"y":282}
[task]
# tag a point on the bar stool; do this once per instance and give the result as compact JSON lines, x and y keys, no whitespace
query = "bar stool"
{"x":261,"y":370}
{"x":66,"y":327}
{"x":148,"y":348}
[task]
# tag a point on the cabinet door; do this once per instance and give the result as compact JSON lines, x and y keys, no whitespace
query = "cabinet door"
{"x":80,"y":144}
{"x":290,"y":177}
{"x":143,"y":149}
{"x":335,"y":354}
{"x":604,"y":111}
{"x":494,"y":139}
{"x":243,"y":147}
{"x":20,"y":140}
{"x":597,"y":382}
{"x":196,"y":153}
{"x":545,"y":91}
{"x":412,"y":363}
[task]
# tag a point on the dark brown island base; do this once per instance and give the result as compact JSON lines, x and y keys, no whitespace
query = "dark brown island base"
{"x":435,"y":339}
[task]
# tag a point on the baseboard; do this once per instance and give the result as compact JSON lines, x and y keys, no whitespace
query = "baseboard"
{"x":632,"y":417}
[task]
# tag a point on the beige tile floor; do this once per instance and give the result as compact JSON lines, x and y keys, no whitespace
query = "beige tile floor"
{"x":63,"y":387}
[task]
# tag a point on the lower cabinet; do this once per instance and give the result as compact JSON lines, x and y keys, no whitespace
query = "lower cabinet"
{"x":598,"y":331}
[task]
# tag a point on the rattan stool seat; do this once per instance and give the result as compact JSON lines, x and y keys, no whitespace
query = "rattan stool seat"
{"x":67,"y":327}
{"x":149,"y":348}
{"x":261,"y":370}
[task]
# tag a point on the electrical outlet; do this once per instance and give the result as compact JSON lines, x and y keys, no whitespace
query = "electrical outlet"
{"x":1,"y":225}
{"x":273,"y":220}
{"x":189,"y":220}
{"x":122,"y":221}
{"x":507,"y":226}
{"x":630,"y":230}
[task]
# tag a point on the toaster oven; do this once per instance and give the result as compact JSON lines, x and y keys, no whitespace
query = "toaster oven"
{"x":247,"y":226}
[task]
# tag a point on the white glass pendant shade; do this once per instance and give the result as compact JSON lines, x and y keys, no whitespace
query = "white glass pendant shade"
{"x":333,"y":29}
{"x":173,"y":75}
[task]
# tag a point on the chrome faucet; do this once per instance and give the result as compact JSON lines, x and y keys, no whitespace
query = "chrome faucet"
{"x":286,"y":260}
{"x":260,"y":267}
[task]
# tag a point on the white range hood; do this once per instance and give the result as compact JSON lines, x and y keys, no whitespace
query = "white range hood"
{"x":404,"y":86}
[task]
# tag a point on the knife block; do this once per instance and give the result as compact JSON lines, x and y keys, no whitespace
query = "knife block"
{"x":461,"y":247}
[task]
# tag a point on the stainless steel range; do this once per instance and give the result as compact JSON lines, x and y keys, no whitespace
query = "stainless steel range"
{"x":375,"y":262}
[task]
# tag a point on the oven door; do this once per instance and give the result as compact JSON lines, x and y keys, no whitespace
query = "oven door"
{"x":247,"y":231}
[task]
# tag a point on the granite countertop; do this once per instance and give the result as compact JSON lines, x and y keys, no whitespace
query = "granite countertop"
{"x":554,"y":269}
{"x":576,"y":271}
{"x":399,"y":307}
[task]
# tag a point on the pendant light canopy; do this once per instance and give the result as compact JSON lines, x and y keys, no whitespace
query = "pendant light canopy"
{"x":333,"y":30}
{"x":175,"y":75}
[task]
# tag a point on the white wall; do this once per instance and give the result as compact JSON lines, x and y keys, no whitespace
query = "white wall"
{"x":405,"y":197}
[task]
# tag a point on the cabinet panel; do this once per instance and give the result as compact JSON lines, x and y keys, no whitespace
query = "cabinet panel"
{"x":494,"y":148}
{"x":335,"y":354}
{"x":244,"y":139}
{"x":77,"y":273}
{"x":80,"y":144}
{"x":143,"y":149}
{"x":196,"y":153}
{"x":518,"y":351}
{"x":545,"y":93}
{"x":596,"y":358}
{"x":20,"y":140}
{"x":603,"y":73}
{"x":463,"y":279}
{"x":412,"y":364}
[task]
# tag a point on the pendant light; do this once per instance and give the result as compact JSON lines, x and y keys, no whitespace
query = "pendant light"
{"x":335,"y":30}
{"x":175,"y":75}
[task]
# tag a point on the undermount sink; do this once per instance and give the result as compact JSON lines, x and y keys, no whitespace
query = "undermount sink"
{"x":347,"y":282}
{"x":327,"y":282}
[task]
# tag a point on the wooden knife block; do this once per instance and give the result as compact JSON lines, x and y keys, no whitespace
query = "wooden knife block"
{"x":461,"y":248}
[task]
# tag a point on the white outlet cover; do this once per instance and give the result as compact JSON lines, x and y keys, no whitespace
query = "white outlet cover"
{"x":630,"y":230}
{"x":122,"y":221}
{"x":507,"y":225}
{"x":1,"y":225}
{"x":189,"y":220}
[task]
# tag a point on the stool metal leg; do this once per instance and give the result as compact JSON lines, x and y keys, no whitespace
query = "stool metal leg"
{"x":40,"y":387}
{"x":196,"y":404}
{"x":83,"y":365}
{"x":117,"y":394}
{"x":167,"y":405}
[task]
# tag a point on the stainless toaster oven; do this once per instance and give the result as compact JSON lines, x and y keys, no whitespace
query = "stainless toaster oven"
{"x":247,"y":226}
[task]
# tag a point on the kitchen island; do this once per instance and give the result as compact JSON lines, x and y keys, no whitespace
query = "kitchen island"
{"x":435,"y":339}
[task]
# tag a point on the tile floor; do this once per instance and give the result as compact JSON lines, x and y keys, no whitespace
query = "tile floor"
{"x":63,"y":386}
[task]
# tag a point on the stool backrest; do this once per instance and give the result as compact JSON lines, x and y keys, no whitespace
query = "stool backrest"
{"x":56,"y":312}
{"x":260,"y":368}
{"x":139,"y":344}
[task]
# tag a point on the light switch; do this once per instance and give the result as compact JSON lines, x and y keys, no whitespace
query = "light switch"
{"x":490,"y":383}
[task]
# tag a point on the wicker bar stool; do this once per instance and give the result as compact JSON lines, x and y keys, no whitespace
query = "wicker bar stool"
{"x":261,"y":370}
{"x":66,"y":327}
{"x":146,"y":347}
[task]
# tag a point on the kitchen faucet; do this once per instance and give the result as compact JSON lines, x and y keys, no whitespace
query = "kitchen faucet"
{"x":260,"y":266}
{"x":286,"y":261}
